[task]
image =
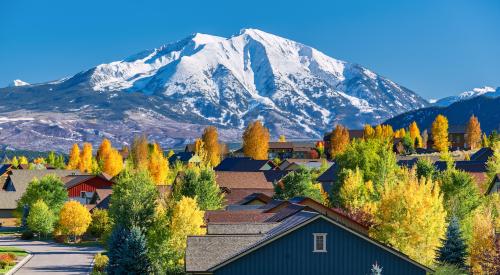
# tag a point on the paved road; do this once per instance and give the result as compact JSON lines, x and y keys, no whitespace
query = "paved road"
{"x":52,"y":258}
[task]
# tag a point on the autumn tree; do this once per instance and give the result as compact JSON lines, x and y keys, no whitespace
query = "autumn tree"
{"x":85,"y":164}
{"x":15,"y":162}
{"x":473,"y":134}
{"x":23,"y":160}
{"x":425,"y":138}
{"x":187,"y":220}
{"x":493,"y":163}
{"x":282,"y":138}
{"x":339,"y":140}
{"x":357,"y":196}
{"x":411,"y":217}
{"x":40,"y":218}
{"x":113,"y":163}
{"x":104,"y":150}
{"x":320,"y":147}
{"x":368,"y":131}
{"x":210,"y":139}
{"x":440,"y":133}
{"x":256,"y":141}
{"x":74,"y":218}
{"x":101,"y":223}
{"x":298,"y":184}
{"x":158,"y":165}
{"x":482,"y":242}
{"x":384,"y":132}
{"x":74,"y":157}
{"x":140,"y":152}
{"x":415,"y":135}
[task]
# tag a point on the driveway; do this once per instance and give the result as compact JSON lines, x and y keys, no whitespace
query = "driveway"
{"x":52,"y":258}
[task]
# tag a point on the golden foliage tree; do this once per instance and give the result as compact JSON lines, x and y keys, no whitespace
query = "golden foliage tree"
{"x":113,"y":163}
{"x":74,"y":157}
{"x":356,"y":196}
{"x":368,"y":131}
{"x":384,"y":132}
{"x":400,"y":133}
{"x":415,"y":135}
{"x":256,"y":141}
{"x":187,"y":220}
{"x":482,"y":242}
{"x":23,"y":160}
{"x":440,"y":133}
{"x":140,"y":152}
{"x":158,"y":165}
{"x":339,"y":140}
{"x":282,"y":138}
{"x":85,"y":164}
{"x":473,"y":133}
{"x":74,"y":218}
{"x":210,"y":139}
{"x":104,"y":150}
{"x":411,"y":217}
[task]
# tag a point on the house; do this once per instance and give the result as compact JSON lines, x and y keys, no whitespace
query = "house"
{"x":238,"y":185}
{"x":494,"y":186}
{"x":294,"y":164}
{"x":328,"y":178}
{"x":306,"y":242}
{"x":100,"y":199}
{"x":284,"y":150}
{"x":185,"y":158}
{"x":82,"y":187}
{"x":456,"y":137}
{"x":482,"y":154}
{"x":244,"y":164}
{"x":15,"y":185}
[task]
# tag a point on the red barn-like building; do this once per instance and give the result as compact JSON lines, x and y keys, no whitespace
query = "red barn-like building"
{"x":82,"y":187}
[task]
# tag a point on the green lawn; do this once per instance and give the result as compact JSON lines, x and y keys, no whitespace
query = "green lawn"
{"x":9,"y":249}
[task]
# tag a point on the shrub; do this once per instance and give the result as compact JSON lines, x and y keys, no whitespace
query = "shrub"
{"x":27,"y":235}
{"x":7,"y":259}
{"x":100,"y":262}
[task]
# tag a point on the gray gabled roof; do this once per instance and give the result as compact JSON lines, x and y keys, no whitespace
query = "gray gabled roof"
{"x":20,"y":179}
{"x":248,"y":228}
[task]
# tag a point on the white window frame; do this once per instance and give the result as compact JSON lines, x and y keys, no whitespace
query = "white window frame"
{"x":315,"y":236}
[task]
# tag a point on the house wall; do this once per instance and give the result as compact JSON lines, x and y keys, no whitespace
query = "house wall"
{"x":293,"y":255}
{"x":495,"y":188}
{"x":88,"y":186}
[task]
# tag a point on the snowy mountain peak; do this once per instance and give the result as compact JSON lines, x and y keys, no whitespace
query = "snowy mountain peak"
{"x":18,"y":83}
{"x":486,"y":90}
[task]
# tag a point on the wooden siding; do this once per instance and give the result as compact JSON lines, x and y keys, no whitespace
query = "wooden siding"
{"x":293,"y":255}
{"x":89,"y":185}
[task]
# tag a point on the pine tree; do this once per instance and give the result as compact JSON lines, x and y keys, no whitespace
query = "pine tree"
{"x":453,"y":249}
{"x":74,"y":157}
{"x":256,"y":141}
{"x":85,"y":164}
{"x":473,"y":136}
{"x":210,"y":139}
{"x":134,"y":254}
{"x":339,"y":140}
{"x":440,"y":133}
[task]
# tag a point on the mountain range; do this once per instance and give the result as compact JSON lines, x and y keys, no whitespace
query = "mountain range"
{"x":172,"y":92}
{"x":486,"y":91}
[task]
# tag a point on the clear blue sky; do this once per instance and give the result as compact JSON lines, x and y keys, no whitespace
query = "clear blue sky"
{"x":436,"y":48}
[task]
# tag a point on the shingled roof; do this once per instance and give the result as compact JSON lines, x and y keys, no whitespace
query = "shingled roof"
{"x":19,"y":179}
{"x":244,"y":165}
{"x":245,"y":180}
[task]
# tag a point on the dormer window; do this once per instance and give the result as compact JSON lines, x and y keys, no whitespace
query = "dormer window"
{"x":319,"y":242}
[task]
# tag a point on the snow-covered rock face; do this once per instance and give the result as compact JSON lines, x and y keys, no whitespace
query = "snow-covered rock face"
{"x":18,"y":83}
{"x":488,"y":91}
{"x":203,"y":79}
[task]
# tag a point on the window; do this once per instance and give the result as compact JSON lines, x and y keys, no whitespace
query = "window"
{"x":319,"y":242}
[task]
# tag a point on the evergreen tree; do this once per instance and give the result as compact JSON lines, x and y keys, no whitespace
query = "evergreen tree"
{"x":115,"y":250}
{"x":134,"y":258}
{"x":453,"y":249}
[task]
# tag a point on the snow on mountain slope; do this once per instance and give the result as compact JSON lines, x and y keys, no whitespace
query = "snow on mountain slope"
{"x":18,"y":83}
{"x":488,"y":91}
{"x":210,"y":80}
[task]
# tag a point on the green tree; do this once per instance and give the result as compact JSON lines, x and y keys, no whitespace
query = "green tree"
{"x":425,"y":168}
{"x":453,"y":249}
{"x":493,"y":164}
{"x":40,"y":218}
{"x":128,"y":253}
{"x":50,"y":189}
{"x":101,"y":223}
{"x":297,"y":184}
{"x":201,"y":184}
{"x":134,"y":200}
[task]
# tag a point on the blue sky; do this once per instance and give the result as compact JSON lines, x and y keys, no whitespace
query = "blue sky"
{"x":436,"y":48}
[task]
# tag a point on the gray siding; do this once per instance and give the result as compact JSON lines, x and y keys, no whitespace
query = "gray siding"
{"x":292,"y":255}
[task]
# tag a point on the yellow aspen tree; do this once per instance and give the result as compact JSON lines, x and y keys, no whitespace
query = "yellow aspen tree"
{"x":210,"y":139}
{"x":104,"y":149}
{"x":482,"y":242}
{"x":368,"y":131}
{"x":415,"y":135}
{"x":357,"y":196}
{"x":282,"y":138}
{"x":113,"y":163}
{"x":411,"y":217}
{"x":74,"y":158}
{"x":158,"y":165}
{"x":187,"y":220}
{"x":473,"y":137}
{"x":339,"y":140}
{"x":85,"y":164}
{"x":256,"y":141}
{"x":440,"y":133}
{"x":140,"y":152}
{"x":74,"y":219}
{"x":387,"y":132}
{"x":23,"y":160}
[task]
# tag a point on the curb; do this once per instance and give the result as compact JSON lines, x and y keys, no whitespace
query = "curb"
{"x":20,"y":264}
{"x":91,"y":267}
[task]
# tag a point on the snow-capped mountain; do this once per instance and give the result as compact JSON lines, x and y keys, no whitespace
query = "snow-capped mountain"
{"x":172,"y":92}
{"x":488,"y":91}
{"x":17,"y":83}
